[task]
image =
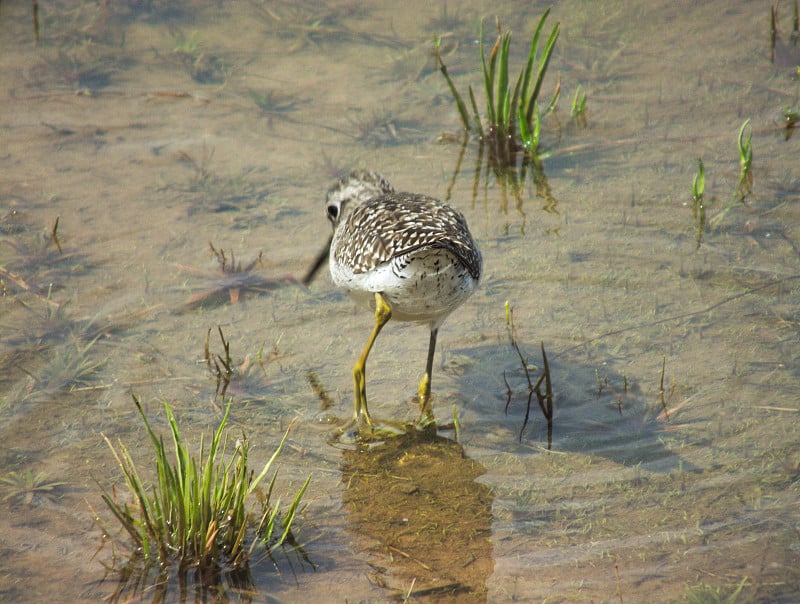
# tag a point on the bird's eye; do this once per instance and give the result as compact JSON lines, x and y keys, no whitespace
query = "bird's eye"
{"x":333,"y":212}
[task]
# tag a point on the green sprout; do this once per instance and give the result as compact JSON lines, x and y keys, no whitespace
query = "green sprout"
{"x":745,"y":186}
{"x":513,"y":115}
{"x":578,"y":111}
{"x":698,"y":205}
{"x":187,"y":45}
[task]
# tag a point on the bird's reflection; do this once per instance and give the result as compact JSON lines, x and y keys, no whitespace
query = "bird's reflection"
{"x":414,"y":503}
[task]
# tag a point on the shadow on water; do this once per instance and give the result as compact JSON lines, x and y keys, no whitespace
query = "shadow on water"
{"x":414,"y":504}
{"x":594,"y":412}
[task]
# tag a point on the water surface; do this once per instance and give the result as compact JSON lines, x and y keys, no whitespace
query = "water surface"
{"x":151,"y":129}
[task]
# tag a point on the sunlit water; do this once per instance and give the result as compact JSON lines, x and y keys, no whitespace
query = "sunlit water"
{"x":151,"y":129}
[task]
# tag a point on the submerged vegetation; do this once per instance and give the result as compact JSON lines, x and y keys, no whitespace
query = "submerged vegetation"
{"x":202,"y":66}
{"x":26,"y":486}
{"x":232,"y":282}
{"x":703,"y":593}
{"x":194,"y":514}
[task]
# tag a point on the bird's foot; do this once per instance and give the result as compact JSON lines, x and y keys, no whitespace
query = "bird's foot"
{"x":362,"y":433}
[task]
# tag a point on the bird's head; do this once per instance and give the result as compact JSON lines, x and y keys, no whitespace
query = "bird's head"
{"x":352,"y":190}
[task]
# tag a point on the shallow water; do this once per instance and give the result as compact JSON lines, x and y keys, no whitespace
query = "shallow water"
{"x":674,"y":462}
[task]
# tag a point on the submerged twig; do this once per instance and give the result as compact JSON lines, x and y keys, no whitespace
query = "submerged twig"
{"x":545,"y":399}
{"x":662,"y":391}
{"x":223,"y":369}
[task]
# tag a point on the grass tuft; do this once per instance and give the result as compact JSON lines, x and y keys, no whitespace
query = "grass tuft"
{"x":194,"y":514}
{"x":509,"y":130}
{"x":513,"y":115}
{"x":703,"y":593}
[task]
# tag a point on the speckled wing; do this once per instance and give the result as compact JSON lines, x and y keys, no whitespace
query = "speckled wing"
{"x":406,"y":222}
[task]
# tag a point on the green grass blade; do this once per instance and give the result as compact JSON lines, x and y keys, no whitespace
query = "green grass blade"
{"x":551,"y":106}
{"x":267,"y":525}
{"x":462,"y":108}
{"x":121,"y":511}
{"x":503,"y":101}
{"x":699,"y":182}
{"x":524,"y":132}
{"x":544,"y":61}
{"x":513,"y":112}
{"x":478,"y":125}
{"x":288,"y":519}
{"x":488,"y":77}
{"x":534,"y":48}
{"x":269,"y":463}
{"x":125,"y":519}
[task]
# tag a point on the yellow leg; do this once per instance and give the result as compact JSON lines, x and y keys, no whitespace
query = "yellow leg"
{"x":425,"y":383}
{"x":382,"y":315}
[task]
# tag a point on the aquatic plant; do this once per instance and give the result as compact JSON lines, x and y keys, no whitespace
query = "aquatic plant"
{"x":578,"y":110}
{"x":513,"y":116}
{"x":698,"y":204}
{"x":302,"y":24}
{"x":188,"y":45}
{"x":61,"y":369}
{"x":785,"y":54}
{"x":246,"y":377}
{"x":380,"y":127}
{"x":272,"y":103}
{"x":745,"y":185}
{"x":203,"y":66}
{"x":30,"y":254}
{"x":703,"y":593}
{"x":447,"y":20}
{"x":27,"y":485}
{"x":75,"y":68}
{"x":194,"y":514}
{"x":790,"y":118}
{"x":215,"y":192}
{"x":223,"y":369}
{"x":510,"y":134}
{"x":232,"y":281}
